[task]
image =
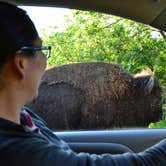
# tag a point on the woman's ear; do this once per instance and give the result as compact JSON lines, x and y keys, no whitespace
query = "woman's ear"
{"x":19,"y":64}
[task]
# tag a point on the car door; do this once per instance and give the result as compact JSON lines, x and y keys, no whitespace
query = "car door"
{"x":112,"y":141}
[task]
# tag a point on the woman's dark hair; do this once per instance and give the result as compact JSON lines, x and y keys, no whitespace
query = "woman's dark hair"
{"x":16,"y":30}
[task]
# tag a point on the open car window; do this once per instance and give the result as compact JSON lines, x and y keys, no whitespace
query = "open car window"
{"x":105,"y":72}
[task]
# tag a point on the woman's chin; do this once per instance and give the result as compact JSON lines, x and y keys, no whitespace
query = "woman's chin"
{"x":33,"y":97}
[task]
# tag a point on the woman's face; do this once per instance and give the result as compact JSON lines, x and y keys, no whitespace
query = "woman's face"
{"x":34,"y":72}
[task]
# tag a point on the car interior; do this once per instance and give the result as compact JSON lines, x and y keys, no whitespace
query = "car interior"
{"x":151,"y":12}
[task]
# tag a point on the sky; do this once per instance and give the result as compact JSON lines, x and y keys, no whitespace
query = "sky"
{"x":44,"y":17}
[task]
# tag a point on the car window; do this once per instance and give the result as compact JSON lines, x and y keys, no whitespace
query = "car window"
{"x":105,"y":72}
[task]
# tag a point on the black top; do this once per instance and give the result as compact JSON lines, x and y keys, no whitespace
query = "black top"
{"x":24,"y":148}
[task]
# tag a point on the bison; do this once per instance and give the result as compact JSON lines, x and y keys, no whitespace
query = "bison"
{"x":97,"y":95}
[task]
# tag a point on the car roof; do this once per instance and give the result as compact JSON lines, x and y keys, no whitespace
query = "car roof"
{"x":152,"y":12}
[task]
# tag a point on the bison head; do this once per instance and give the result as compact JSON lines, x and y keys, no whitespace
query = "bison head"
{"x":148,"y":94}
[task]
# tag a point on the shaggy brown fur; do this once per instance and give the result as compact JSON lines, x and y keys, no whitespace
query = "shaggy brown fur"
{"x":97,"y":95}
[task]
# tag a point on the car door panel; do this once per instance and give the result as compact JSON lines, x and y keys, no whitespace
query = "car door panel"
{"x":112,"y":141}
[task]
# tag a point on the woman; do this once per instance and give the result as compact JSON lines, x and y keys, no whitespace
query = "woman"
{"x":24,"y":137}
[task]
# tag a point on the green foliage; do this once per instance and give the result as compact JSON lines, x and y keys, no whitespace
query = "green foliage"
{"x":90,"y":36}
{"x":160,"y":124}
